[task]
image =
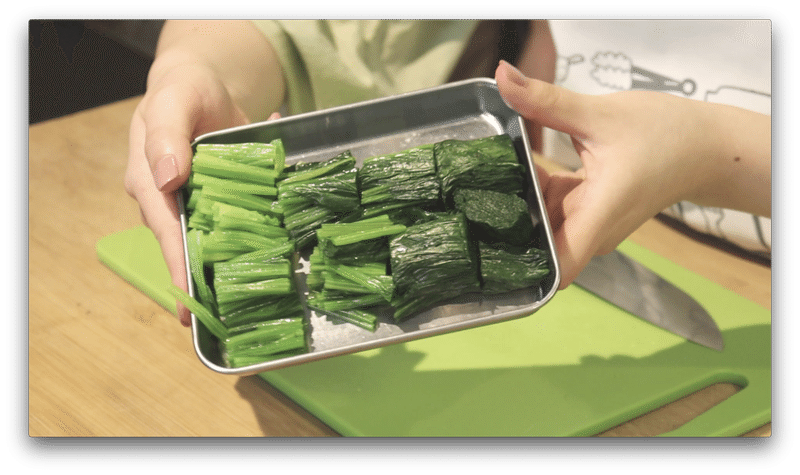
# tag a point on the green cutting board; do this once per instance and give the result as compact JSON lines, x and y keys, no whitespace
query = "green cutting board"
{"x":576,"y":367}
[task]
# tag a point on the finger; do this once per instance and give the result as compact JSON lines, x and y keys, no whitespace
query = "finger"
{"x":167,"y":230}
{"x":546,"y":104}
{"x":563,"y":195}
{"x":575,"y":243}
{"x":598,"y":214}
{"x":585,"y":213}
{"x":158,"y":211}
{"x":161,"y":214}
{"x":556,"y":190}
{"x":170,"y":118}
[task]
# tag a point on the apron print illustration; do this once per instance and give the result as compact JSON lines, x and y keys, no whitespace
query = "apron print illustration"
{"x":563,"y":64}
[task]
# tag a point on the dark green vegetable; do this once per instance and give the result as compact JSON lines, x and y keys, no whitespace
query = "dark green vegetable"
{"x":329,"y":300}
{"x":242,"y":360}
{"x":364,"y":240}
{"x":265,"y":155}
{"x":222,"y":244}
{"x":259,"y":309}
{"x":432,"y":262}
{"x":488,"y":163}
{"x":495,"y":216}
{"x":284,"y":249}
{"x":410,"y":215}
{"x":250,"y":202}
{"x":233,"y":218}
{"x":277,"y":325}
{"x":236,"y":237}
{"x":342,"y":162}
{"x":264,"y":342}
{"x":194,"y":244}
{"x":236,"y":292}
{"x":240,"y":272}
{"x":263,"y":334}
{"x":360,"y":281}
{"x":221,"y":168}
{"x":317,"y":193}
{"x":365,"y":318}
{"x":208,"y":319}
{"x":407,"y":176}
{"x":197,"y":180}
{"x":302,"y":225}
{"x":348,"y":270}
{"x":338,"y":192}
{"x":505,"y":268}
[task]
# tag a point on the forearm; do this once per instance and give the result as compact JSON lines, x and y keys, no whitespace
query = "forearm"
{"x":739,"y":159}
{"x":236,"y":51}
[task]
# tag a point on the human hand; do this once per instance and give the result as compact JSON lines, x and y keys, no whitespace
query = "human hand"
{"x":207,"y":75}
{"x":641,"y":152}
{"x":184,"y":102}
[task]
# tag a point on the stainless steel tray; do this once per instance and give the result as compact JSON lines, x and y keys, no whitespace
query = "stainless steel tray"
{"x":462,"y":110}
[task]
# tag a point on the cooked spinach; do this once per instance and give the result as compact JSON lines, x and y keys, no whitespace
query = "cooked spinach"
{"x":404,"y":232}
{"x":506,"y":268}
{"x":407,"y":176}
{"x":495,"y":216}
{"x":431,"y":262}
{"x":317,"y":193}
{"x":487,"y":163}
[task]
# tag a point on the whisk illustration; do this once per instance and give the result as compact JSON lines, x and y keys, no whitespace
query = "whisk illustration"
{"x":563,"y":64}
{"x":617,"y":71}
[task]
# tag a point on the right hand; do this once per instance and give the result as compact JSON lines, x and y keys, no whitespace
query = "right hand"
{"x":182,"y":102}
{"x":207,"y":75}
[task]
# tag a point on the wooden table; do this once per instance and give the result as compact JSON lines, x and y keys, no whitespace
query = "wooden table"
{"x":105,"y":360}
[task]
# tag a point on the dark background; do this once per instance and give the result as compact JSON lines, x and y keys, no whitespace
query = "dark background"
{"x":79,"y":64}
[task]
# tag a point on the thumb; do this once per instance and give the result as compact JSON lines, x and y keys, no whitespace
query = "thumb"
{"x":546,"y":104}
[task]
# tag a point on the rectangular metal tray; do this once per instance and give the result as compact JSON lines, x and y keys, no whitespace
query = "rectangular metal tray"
{"x":463,"y":110}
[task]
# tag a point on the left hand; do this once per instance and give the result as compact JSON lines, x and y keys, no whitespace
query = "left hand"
{"x":641,"y":153}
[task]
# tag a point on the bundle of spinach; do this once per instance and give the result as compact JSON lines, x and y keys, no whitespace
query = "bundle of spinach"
{"x":348,"y":270}
{"x":241,"y":257}
{"x":314,"y":193}
{"x":431,"y":262}
{"x":407,"y":178}
{"x":488,"y":163}
{"x":496,"y":216}
{"x":505,"y":268}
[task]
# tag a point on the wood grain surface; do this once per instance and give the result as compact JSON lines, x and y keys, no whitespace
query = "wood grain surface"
{"x":105,"y":360}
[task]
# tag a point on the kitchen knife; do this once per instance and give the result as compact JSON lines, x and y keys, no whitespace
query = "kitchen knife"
{"x":633,"y":287}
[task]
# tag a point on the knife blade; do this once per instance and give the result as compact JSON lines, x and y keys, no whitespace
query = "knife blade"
{"x":636,"y":289}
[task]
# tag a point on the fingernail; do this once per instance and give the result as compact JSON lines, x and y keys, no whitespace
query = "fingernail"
{"x":166,"y":171}
{"x":515,"y":76}
{"x":183,"y":315}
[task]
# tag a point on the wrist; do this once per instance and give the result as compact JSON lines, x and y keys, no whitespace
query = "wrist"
{"x":169,"y":63}
{"x":736,"y":168}
{"x":234,"y":54}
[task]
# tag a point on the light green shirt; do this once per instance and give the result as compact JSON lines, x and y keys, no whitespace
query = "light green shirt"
{"x":328,"y":63}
